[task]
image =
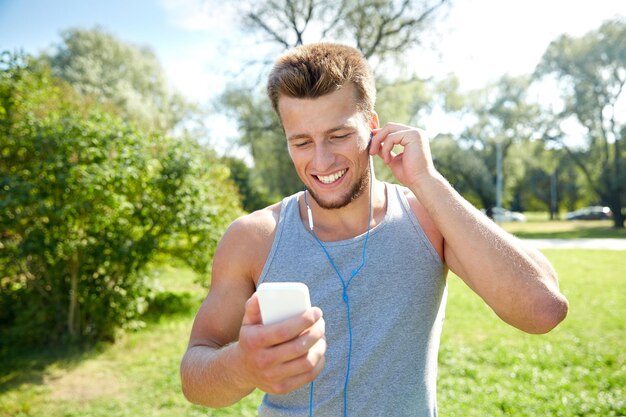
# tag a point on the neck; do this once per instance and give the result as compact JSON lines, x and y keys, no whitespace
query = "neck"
{"x":350,"y":220}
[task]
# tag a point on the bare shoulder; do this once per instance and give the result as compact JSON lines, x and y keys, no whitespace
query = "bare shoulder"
{"x":248,"y":240}
{"x":256,"y":225}
{"x":430,"y":229}
{"x":237,"y":264}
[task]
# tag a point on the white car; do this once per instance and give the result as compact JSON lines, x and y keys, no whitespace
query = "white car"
{"x":503,"y":215}
{"x":590,"y":213}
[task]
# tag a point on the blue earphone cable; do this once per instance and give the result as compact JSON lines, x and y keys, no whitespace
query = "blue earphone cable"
{"x":344,"y":294}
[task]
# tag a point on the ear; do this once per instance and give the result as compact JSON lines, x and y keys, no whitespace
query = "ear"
{"x":374,"y":123}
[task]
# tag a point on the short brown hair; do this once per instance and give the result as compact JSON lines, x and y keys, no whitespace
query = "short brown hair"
{"x":314,"y":70}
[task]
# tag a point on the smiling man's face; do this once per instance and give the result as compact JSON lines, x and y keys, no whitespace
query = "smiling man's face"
{"x":327,"y":139}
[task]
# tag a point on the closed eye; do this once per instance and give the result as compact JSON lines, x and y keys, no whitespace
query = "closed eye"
{"x":301,"y":144}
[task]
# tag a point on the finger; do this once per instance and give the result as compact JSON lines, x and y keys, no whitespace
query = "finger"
{"x":301,"y":371}
{"x":313,"y":364}
{"x":298,"y":365}
{"x":302,"y":344}
{"x":275,"y":334}
{"x":395,"y":159}
{"x":392,"y":140}
{"x":376,"y":139}
{"x":298,"y":356}
{"x":382,"y":135}
{"x":252,"y":313}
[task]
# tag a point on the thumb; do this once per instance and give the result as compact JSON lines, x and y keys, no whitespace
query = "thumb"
{"x":252,"y":314}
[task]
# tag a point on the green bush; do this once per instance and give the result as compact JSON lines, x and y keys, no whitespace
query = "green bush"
{"x":87,"y":200}
{"x":171,"y":303}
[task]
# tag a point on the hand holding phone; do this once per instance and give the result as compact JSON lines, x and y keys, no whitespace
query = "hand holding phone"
{"x":273,"y":358}
{"x":279,"y":301}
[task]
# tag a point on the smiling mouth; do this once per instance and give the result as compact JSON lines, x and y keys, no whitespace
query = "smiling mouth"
{"x":329,"y":179}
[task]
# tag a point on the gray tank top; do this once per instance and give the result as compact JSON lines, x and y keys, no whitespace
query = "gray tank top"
{"x":397,"y":304}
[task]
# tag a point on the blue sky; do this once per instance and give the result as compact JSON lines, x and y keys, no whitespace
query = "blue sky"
{"x":198,"y":43}
{"x":35,"y":25}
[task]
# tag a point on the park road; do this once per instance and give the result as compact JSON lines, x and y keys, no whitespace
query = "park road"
{"x":607,"y":243}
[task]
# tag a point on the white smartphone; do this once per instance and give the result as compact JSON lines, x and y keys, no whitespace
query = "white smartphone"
{"x":282,"y":300}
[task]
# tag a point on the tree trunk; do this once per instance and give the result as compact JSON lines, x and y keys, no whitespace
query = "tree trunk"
{"x":616,"y":208}
{"x":616,"y":195}
{"x":72,"y":318}
{"x":618,"y":220}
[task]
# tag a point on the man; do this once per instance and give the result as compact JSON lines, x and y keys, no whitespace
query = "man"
{"x":374,"y":255}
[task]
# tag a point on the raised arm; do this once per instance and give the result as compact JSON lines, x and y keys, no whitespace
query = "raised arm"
{"x":516,"y":281}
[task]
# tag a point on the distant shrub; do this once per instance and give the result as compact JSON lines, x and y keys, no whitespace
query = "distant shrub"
{"x":171,"y":303}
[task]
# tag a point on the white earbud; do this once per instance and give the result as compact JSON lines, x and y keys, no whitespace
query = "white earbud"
{"x":308,"y":210}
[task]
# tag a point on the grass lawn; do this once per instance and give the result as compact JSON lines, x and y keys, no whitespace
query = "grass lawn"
{"x":490,"y":369}
{"x":486,"y":367}
{"x":539,"y":228}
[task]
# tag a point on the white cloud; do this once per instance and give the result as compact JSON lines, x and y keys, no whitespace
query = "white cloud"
{"x":215,"y":52}
{"x":191,"y":74}
{"x":484,"y":39}
{"x":202,"y":15}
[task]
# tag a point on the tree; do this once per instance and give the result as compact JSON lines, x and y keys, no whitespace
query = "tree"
{"x":87,"y":201}
{"x":465,"y":169}
{"x":550,"y":180}
{"x":498,"y":115}
{"x":382,"y":29}
{"x":251,"y":197}
{"x":591,"y":73}
{"x":130,"y":78}
{"x":378,"y":28}
{"x":273,"y":173}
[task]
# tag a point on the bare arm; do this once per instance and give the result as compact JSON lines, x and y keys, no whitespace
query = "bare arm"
{"x":516,"y":281}
{"x":209,"y":369}
{"x":230,"y":352}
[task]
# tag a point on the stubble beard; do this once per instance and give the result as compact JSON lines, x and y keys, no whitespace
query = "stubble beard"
{"x":355,"y":192}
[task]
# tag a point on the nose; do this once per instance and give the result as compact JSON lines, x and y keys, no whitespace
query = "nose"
{"x":324,"y":157}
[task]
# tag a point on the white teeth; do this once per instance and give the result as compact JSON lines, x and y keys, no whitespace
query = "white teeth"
{"x":331,"y":178}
